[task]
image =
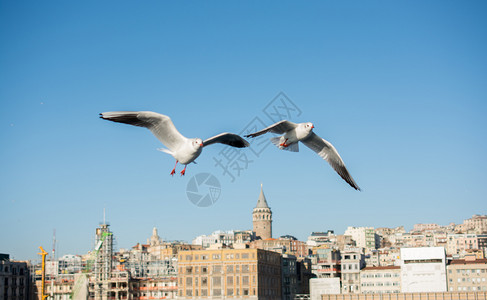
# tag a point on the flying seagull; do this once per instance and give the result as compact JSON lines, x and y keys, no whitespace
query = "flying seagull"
{"x":183,"y":149}
{"x":302,"y":132}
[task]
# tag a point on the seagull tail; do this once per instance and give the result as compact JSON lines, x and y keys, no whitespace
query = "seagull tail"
{"x":166,"y":151}
{"x":276,"y":141}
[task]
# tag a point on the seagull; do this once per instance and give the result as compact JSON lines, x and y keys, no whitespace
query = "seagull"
{"x":183,"y":149}
{"x":303,"y":132}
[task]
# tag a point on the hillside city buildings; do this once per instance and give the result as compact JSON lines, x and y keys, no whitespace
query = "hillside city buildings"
{"x":253,"y":264}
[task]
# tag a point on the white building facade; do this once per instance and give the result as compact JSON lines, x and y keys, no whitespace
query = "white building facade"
{"x":423,"y":269}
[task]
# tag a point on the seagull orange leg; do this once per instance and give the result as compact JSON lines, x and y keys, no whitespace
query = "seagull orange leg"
{"x":174,"y":170}
{"x":284,"y":144}
{"x":184,"y":170}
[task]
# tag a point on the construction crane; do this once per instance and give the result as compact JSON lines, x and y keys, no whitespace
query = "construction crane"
{"x":43,"y":253}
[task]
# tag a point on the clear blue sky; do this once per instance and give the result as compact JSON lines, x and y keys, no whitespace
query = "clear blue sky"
{"x":399,"y":87}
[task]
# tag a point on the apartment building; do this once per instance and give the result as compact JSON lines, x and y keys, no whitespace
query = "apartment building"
{"x":288,"y":245}
{"x":477,"y":224}
{"x":380,"y":280}
{"x":467,"y":275}
{"x":364,"y":237}
{"x":14,"y":279}
{"x":426,"y":227}
{"x":229,"y":273}
{"x":352,"y":261}
{"x":326,"y":263}
{"x":460,"y":243}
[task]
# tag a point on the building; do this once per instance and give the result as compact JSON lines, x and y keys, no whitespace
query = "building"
{"x":460,"y":243}
{"x":103,"y":263}
{"x":14,"y":279}
{"x":389,"y":257}
{"x":426,"y":227}
{"x":423,"y":269}
{"x":326,"y":262}
{"x":380,"y":280}
{"x":317,"y":239}
{"x":288,"y":245}
{"x":217,"y":237}
{"x":289,"y":280}
{"x":409,"y":296}
{"x":467,"y":275}
{"x":296,"y":274}
{"x":153,"y":288}
{"x":262,"y":218}
{"x":372,"y":259}
{"x":364,"y":237}
{"x":352,"y":261}
{"x":229,"y":273}
{"x":323,"y":286}
{"x":476,"y":224}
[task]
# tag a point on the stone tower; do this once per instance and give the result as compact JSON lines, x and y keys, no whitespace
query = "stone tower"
{"x":262,"y":218}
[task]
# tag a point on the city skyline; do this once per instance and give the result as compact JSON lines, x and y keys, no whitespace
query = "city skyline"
{"x":397,"y":88}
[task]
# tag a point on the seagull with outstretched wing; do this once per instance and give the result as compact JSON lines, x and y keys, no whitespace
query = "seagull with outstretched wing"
{"x":293,"y":133}
{"x":184,"y":150}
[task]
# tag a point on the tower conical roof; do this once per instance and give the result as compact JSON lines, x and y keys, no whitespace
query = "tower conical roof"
{"x":261,"y":202}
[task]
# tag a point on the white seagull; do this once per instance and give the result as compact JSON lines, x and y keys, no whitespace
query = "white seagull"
{"x":183,"y":149}
{"x":294,"y":133}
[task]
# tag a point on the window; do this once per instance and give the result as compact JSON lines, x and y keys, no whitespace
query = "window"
{"x":230,"y":269}
{"x":229,"y":280}
{"x":217,"y":269}
{"x":217,"y":281}
{"x":245,"y":255}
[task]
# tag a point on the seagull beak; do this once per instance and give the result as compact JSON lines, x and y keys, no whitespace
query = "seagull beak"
{"x":201,"y":144}
{"x":312,"y":126}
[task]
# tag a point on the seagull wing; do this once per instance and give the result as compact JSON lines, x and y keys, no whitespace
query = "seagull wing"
{"x":160,"y":125}
{"x":230,"y":139}
{"x":326,"y":150}
{"x":279,"y":128}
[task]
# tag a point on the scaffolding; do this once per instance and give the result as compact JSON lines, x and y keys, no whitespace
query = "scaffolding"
{"x":103,"y":261}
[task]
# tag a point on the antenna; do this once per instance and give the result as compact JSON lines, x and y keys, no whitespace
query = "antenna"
{"x":104,"y":223}
{"x":54,"y":244}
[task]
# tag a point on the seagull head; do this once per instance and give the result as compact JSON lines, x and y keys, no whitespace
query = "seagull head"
{"x":308,"y":126}
{"x":197,"y":143}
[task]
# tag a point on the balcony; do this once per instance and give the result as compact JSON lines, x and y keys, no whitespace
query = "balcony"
{"x":327,"y":270}
{"x":155,"y":288}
